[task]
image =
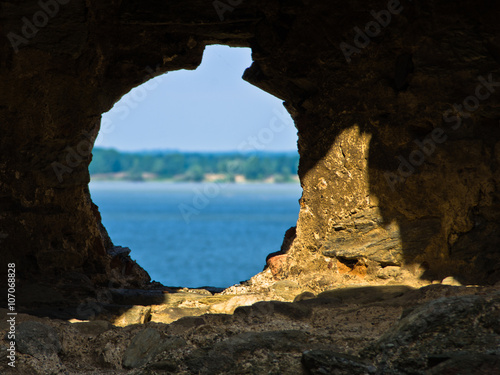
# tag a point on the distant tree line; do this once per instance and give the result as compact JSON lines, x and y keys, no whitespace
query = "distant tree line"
{"x":184,"y":166}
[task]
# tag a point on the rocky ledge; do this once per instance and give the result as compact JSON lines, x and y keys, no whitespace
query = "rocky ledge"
{"x":385,"y":329}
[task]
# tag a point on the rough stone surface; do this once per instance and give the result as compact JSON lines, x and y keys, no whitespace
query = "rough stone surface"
{"x":227,"y":307}
{"x":450,"y":281}
{"x":466,"y":363}
{"x":318,"y":362}
{"x":276,"y":264}
{"x":438,"y":329}
{"x":399,"y":150}
{"x":451,"y":330}
{"x":37,"y":339}
{"x":144,"y":346}
{"x":361,"y":120}
{"x":123,"y":316}
{"x":286,"y":289}
{"x":366,"y":294}
{"x":93,"y":328}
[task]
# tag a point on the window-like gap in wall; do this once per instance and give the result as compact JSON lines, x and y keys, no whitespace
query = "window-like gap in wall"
{"x":195,"y":172}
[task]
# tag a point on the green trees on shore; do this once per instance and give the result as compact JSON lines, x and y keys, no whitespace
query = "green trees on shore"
{"x":182,"y":166}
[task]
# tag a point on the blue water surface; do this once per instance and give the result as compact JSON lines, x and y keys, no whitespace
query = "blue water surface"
{"x":197,"y":234}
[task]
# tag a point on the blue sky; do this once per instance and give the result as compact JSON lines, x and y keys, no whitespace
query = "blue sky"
{"x":208,"y":109}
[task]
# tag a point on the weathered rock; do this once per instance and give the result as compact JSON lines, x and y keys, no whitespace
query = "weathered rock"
{"x":231,"y":304}
{"x":433,"y":329}
{"x":139,"y":297}
{"x":389,"y":272}
{"x":180,"y":298}
{"x":251,"y":341}
{"x":41,"y":295}
{"x":382,"y":245}
{"x":426,"y":318}
{"x":123,"y":315}
{"x":201,"y":363}
{"x":169,"y":366}
{"x":438,"y":331}
{"x":286,"y":289}
{"x":185,"y":324}
{"x":465,"y":363}
{"x":318,"y":362}
{"x":37,"y":339}
{"x":171,"y":314}
{"x":451,"y":281}
{"x":399,"y":150}
{"x":363,"y":199}
{"x":304,"y":296}
{"x":366,"y":294}
{"x":277,"y":264}
{"x":225,"y":355}
{"x":93,"y":328}
{"x":263,"y":310}
{"x":143,"y":347}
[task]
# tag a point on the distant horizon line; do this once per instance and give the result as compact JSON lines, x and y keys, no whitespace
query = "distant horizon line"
{"x":171,"y":150}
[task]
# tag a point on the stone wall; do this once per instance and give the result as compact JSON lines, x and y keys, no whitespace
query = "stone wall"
{"x":396,"y":106}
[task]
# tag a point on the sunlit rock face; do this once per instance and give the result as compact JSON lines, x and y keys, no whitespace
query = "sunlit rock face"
{"x":396,"y":106}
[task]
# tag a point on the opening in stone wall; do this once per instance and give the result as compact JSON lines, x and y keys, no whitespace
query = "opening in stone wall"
{"x":196,"y":173}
